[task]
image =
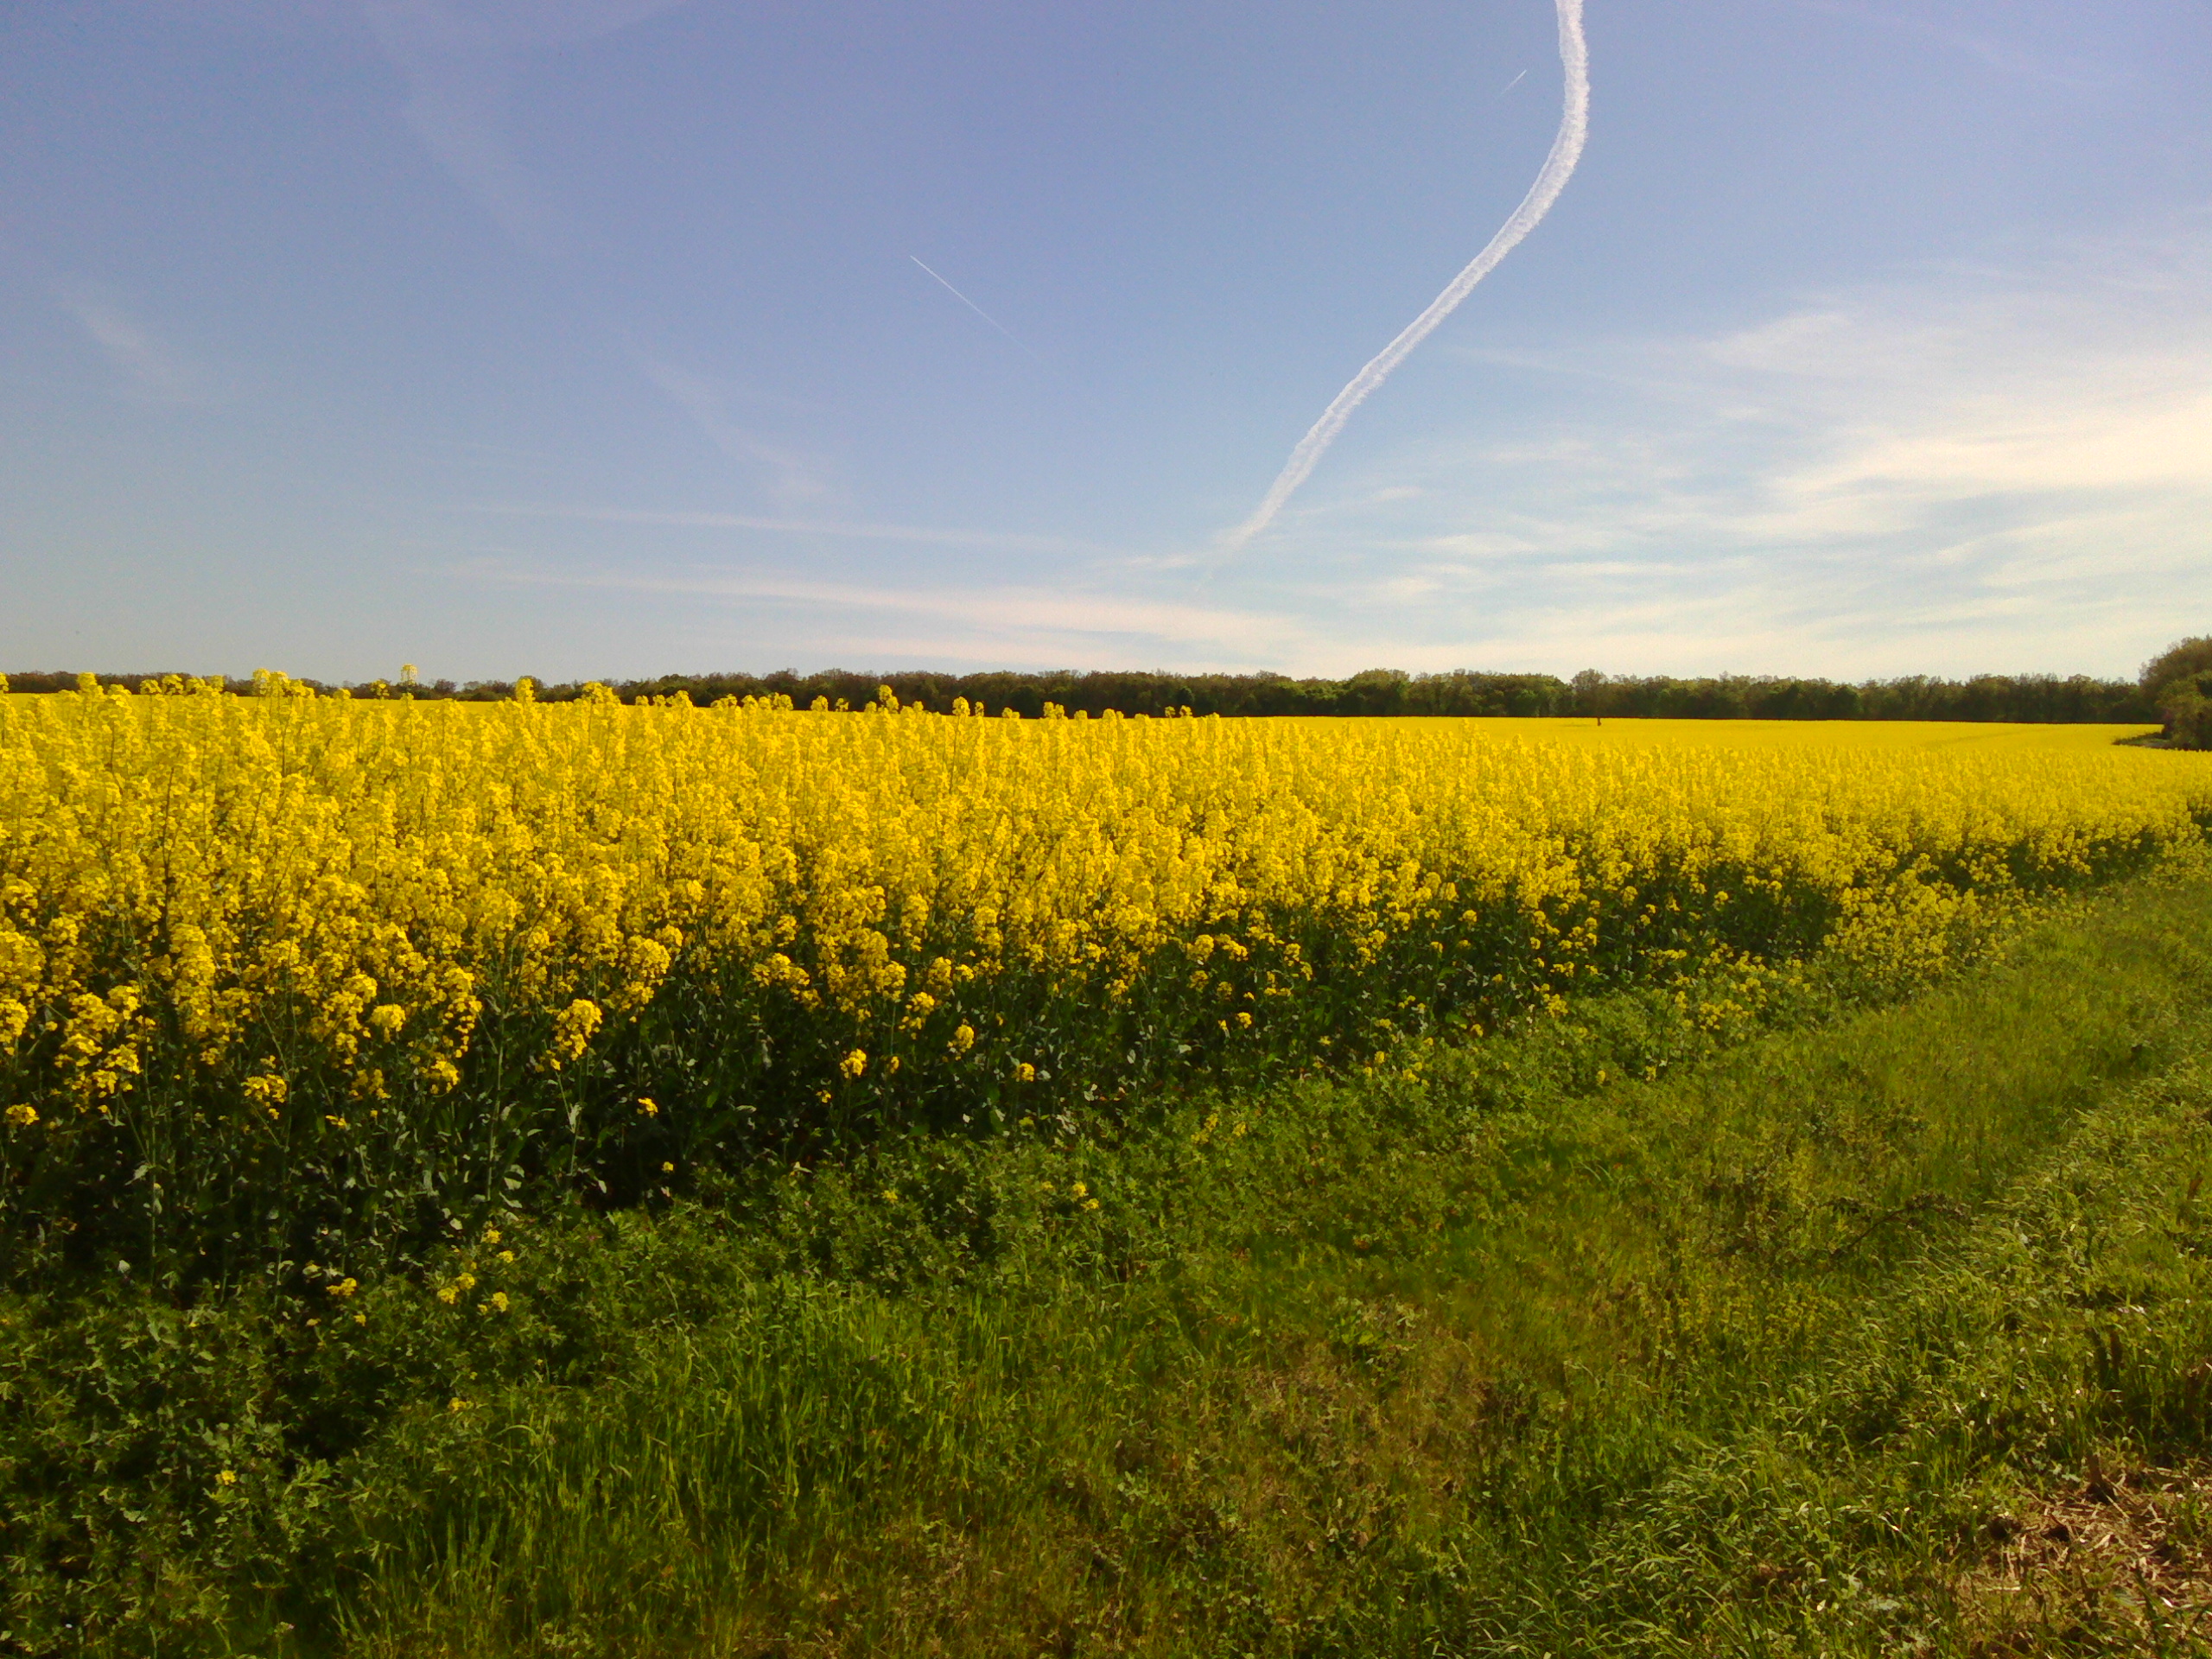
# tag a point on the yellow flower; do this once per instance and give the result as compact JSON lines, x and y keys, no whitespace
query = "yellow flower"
{"x":507,"y":1256}
{"x":226,"y":1478}
{"x":343,"y":1288}
{"x":890,"y":1195}
{"x":668,"y":1169}
{"x":448,"y":1295}
{"x":573,"y":1028}
{"x":498,"y":1302}
{"x":420,"y":882}
{"x":1078,"y":1188}
{"x":491,"y":1237}
{"x":456,"y":1404}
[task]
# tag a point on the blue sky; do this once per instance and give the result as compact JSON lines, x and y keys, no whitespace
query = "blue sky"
{"x":587,"y":337}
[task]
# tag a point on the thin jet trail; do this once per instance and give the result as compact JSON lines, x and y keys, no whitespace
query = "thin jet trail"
{"x":1559,"y":166}
{"x":979,"y":311}
{"x":1516,"y":81}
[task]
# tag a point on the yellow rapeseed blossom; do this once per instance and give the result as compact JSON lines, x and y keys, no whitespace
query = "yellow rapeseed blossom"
{"x":209,"y":901}
{"x":573,"y":1029}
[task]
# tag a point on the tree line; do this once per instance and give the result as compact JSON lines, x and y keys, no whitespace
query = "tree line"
{"x":2175,"y":688}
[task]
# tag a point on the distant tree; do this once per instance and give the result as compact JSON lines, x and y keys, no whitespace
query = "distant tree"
{"x":2178,"y":683}
{"x":2189,"y":718}
{"x":2185,"y":659}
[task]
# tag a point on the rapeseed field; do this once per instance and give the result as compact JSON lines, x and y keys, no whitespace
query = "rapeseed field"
{"x":284,"y":967}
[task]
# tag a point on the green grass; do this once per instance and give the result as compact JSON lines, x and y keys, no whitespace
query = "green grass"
{"x":1607,"y":1336}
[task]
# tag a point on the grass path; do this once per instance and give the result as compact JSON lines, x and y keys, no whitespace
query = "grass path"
{"x":1770,"y":1354}
{"x":1887,"y":1331}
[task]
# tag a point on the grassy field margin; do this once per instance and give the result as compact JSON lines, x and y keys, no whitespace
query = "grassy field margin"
{"x":1611,"y":1335}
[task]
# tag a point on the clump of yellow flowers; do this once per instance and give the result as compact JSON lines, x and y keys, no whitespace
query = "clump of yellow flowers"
{"x":247,"y":934}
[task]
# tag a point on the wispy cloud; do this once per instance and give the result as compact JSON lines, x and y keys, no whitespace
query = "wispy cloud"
{"x":1960,"y":469}
{"x":1965,"y":468}
{"x":458,"y":57}
{"x":1069,"y":626}
{"x":830,"y":528}
{"x":792,"y":477}
{"x":149,"y":368}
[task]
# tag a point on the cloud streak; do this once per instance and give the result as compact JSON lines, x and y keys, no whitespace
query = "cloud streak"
{"x":1060,"y":624}
{"x":151,"y":370}
{"x":1551,"y":179}
{"x":458,"y":58}
{"x":978,"y":310}
{"x":919,"y":535}
{"x":793,"y":478}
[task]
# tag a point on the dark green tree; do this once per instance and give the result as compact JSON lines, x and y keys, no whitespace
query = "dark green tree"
{"x":2178,"y":683}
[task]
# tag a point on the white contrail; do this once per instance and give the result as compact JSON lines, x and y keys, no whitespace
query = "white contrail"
{"x":1567,"y":150}
{"x":1516,"y":81}
{"x":977,"y":310}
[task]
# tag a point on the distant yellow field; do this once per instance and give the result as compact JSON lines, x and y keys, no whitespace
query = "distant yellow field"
{"x":1861,"y":733}
{"x":244,"y":902}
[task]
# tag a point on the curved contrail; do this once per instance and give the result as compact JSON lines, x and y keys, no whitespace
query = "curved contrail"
{"x":1567,"y":150}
